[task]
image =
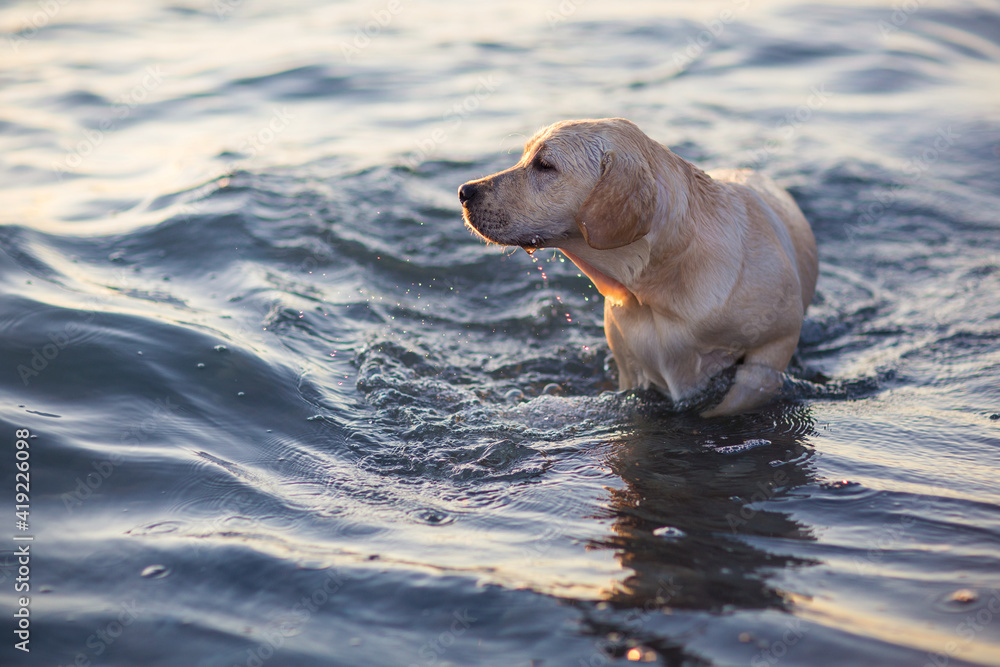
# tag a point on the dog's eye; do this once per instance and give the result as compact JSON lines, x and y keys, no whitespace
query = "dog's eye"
{"x":542,"y":165}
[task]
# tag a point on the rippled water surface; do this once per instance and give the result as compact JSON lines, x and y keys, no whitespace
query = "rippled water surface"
{"x":285,"y":410}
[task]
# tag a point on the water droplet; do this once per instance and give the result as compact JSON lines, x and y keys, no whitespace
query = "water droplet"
{"x":201,"y":365}
{"x":669,"y":532}
{"x":743,"y":446}
{"x":431,"y":516}
{"x":156,"y":571}
{"x":839,"y":485}
{"x":641,"y":654}
{"x":161,"y":528}
{"x":514,"y":396}
{"x":964,"y":596}
{"x":220,"y":348}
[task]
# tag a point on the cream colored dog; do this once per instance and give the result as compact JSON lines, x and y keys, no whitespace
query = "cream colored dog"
{"x":699,"y":271}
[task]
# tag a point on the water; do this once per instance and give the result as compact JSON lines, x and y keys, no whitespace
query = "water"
{"x":285,"y":410}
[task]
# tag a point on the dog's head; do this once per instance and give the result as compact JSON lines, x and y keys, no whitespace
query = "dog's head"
{"x":581,"y":177}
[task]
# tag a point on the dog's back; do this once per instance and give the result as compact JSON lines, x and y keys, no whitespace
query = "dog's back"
{"x":796,"y":230}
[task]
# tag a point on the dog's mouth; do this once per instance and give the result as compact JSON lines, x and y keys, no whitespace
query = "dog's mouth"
{"x":533,"y":244}
{"x":529,"y":242}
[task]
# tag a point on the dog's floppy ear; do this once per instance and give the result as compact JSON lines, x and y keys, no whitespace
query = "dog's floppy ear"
{"x":619,"y":210}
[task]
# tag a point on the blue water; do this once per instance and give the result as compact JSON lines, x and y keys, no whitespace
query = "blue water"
{"x":285,"y":410}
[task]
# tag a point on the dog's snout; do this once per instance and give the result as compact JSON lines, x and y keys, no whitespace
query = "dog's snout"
{"x":467,"y":192}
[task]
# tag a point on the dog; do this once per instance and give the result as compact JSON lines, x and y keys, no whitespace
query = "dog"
{"x":699,"y":271}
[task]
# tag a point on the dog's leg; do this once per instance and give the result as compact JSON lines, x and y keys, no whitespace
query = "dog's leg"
{"x":758,"y":378}
{"x":627,"y":378}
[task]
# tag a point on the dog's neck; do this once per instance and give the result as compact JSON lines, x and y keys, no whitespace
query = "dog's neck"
{"x":696,"y":217}
{"x":686,"y":198}
{"x":685,"y":192}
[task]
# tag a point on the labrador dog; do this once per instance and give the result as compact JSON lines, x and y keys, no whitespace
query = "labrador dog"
{"x":699,"y":271}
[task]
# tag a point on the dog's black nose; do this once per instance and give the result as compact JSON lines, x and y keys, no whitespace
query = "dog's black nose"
{"x":467,"y":192}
